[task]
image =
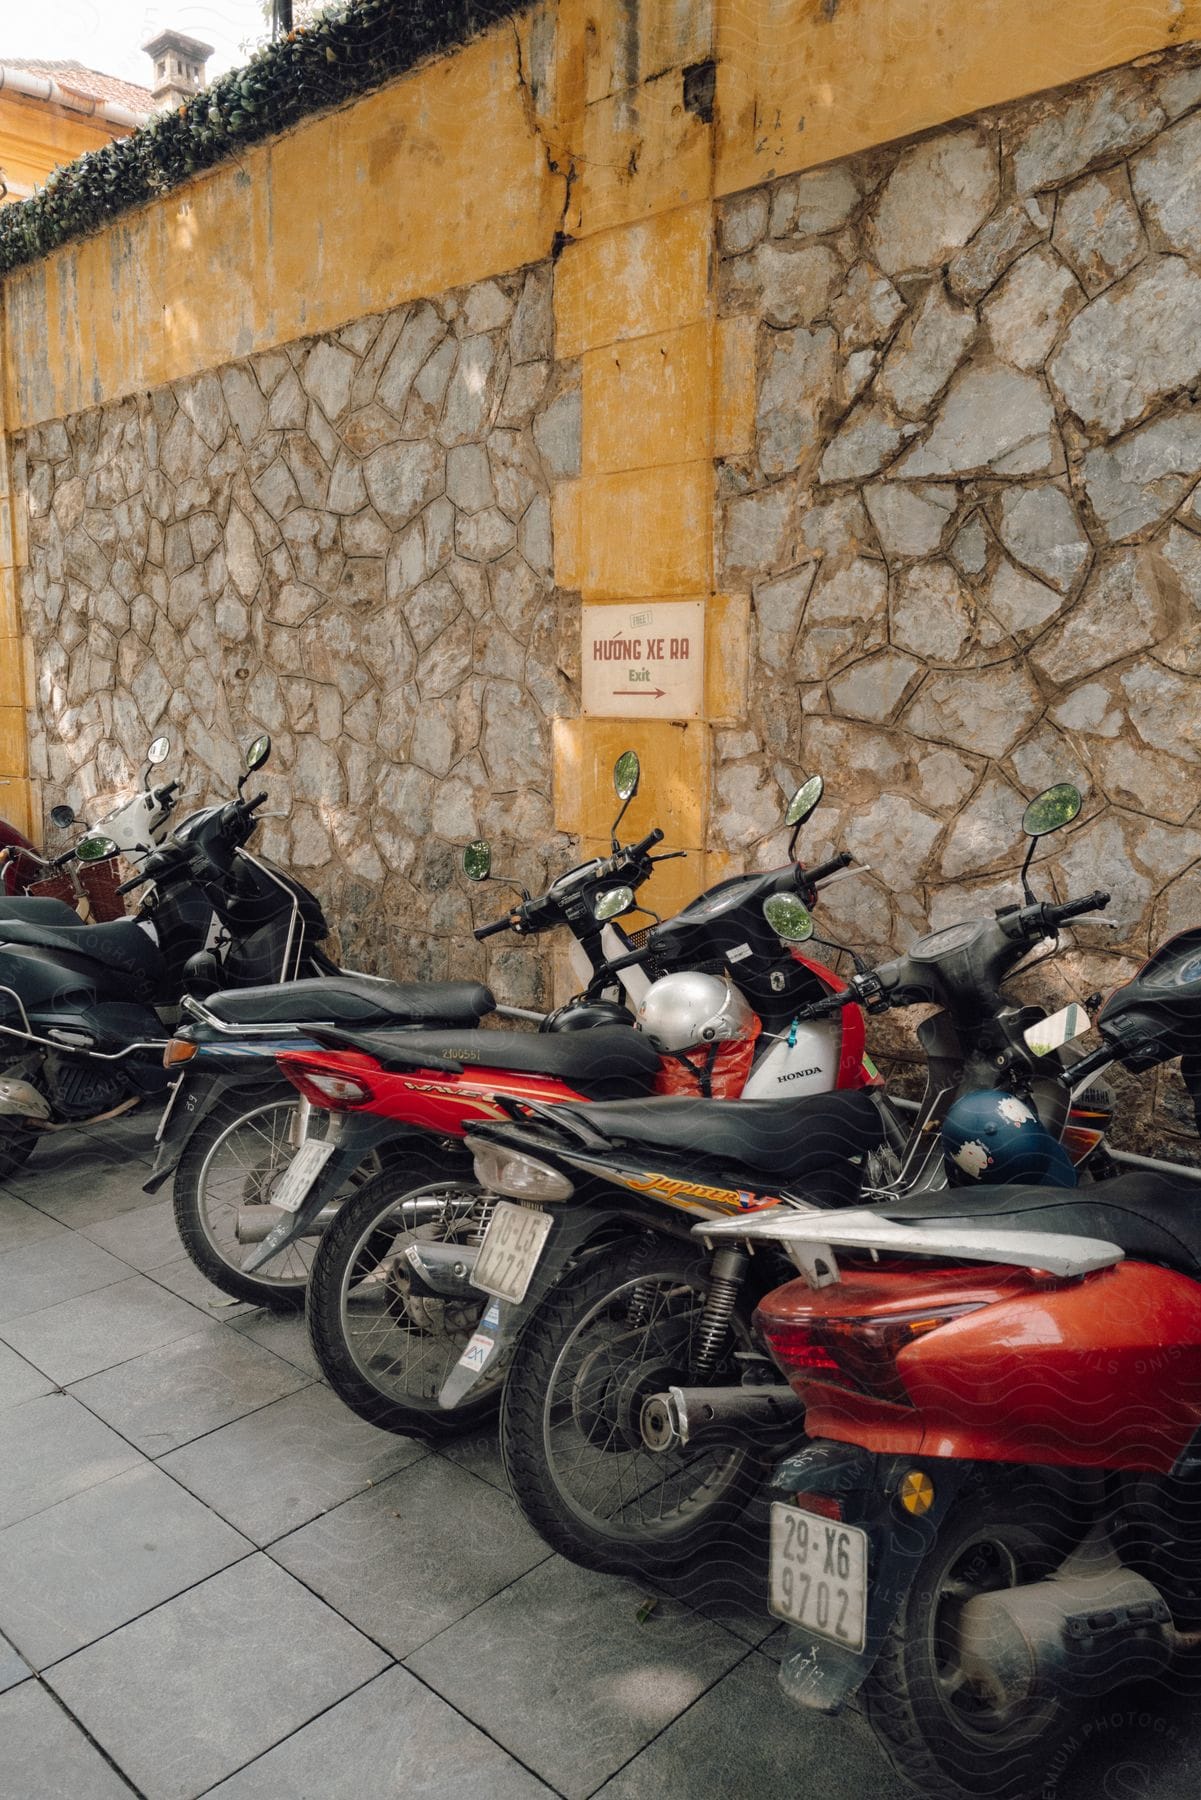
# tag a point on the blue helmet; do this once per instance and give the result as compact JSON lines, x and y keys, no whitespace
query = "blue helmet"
{"x":994,"y":1138}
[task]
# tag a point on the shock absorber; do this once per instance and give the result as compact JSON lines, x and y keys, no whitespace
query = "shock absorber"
{"x":639,"y":1303}
{"x":725,"y":1280}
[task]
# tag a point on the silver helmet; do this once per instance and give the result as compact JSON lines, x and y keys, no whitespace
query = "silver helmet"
{"x":683,"y":1011}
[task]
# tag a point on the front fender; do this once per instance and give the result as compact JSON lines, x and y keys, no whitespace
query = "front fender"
{"x":815,"y":1672}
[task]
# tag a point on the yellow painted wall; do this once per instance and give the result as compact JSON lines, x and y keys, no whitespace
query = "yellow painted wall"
{"x":36,"y":137}
{"x":573,"y":120}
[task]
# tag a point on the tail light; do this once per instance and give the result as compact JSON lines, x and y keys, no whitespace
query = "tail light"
{"x":856,"y":1353}
{"x":329,"y":1089}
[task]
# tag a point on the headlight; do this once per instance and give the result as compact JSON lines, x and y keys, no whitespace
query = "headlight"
{"x":521,"y":1177}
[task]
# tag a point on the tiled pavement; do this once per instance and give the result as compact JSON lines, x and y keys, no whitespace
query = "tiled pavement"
{"x":214,"y":1580}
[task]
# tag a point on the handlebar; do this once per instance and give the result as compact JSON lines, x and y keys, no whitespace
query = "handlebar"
{"x":1097,"y":901}
{"x":486,"y":931}
{"x":648,"y":843}
{"x":820,"y":871}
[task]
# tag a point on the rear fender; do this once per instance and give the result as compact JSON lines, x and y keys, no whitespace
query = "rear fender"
{"x":199,"y":1090}
{"x":357,"y":1135}
{"x":815,"y":1672}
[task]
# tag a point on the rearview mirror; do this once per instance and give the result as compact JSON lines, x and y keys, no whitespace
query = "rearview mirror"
{"x":627,"y":772}
{"x":96,"y":849}
{"x":62,"y":816}
{"x":159,"y":751}
{"x":612,"y":901}
{"x":258,"y":753}
{"x":805,"y":801}
{"x":477,"y":860}
{"x":1053,"y":808}
{"x":788,"y":917}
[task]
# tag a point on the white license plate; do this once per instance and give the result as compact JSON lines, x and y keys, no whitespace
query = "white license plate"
{"x":819,"y":1574}
{"x":300,"y":1175}
{"x":510,"y":1250}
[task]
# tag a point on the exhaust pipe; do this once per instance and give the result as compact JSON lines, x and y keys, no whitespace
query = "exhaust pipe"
{"x":681,"y":1415}
{"x":256,"y":1223}
{"x":21,"y":1098}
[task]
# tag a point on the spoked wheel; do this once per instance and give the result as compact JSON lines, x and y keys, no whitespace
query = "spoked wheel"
{"x":603,"y":1342}
{"x":233,"y":1163}
{"x":946,"y":1728}
{"x":386,"y":1343}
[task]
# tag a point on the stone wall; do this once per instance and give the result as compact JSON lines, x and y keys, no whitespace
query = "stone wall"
{"x":346,"y":543}
{"x":969,"y":524}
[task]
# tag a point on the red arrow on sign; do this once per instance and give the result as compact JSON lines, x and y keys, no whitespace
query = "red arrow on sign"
{"x":639,"y":693}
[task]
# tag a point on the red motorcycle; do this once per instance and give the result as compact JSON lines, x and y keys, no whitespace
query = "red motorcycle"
{"x":997,"y":1520}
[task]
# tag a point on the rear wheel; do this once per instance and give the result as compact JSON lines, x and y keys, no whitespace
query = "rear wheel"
{"x":944,"y":1728}
{"x":223,"y":1186}
{"x":384,"y":1344}
{"x":608,"y":1336}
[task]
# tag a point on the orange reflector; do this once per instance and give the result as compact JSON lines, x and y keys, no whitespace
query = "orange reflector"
{"x":179,"y":1050}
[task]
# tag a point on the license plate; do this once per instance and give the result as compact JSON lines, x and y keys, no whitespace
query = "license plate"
{"x":510,"y":1250}
{"x":819,"y":1574}
{"x":300,"y":1175}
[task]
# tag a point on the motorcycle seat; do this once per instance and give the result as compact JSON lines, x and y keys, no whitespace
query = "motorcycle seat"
{"x":126,"y":956}
{"x":604,"y":1062}
{"x":1152,"y":1218}
{"x":354,"y":1000}
{"x":36,"y":909}
{"x":784,"y":1140}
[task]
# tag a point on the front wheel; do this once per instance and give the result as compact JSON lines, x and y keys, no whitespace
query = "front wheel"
{"x":230,"y":1166}
{"x":384,"y":1342}
{"x":944,"y":1726}
{"x":612,"y":1333}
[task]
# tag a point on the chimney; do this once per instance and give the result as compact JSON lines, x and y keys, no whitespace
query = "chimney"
{"x":178,"y":68}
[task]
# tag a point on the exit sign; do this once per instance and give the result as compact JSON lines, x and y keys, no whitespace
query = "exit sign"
{"x":643,"y":660}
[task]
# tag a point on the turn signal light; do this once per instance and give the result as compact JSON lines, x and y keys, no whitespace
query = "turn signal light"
{"x":178,"y":1050}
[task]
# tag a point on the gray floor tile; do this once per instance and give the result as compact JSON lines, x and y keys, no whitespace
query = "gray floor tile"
{"x":392,"y":1740}
{"x":57,"y":1268}
{"x":414,"y":1554}
{"x":19,"y":1380}
{"x":181,"y":1276}
{"x":283,"y":1466}
{"x":190,"y":1692}
{"x":143,"y":1237}
{"x":744,"y":1737}
{"x":100,"y":1329}
{"x":52,"y":1448}
{"x":479,"y":1453}
{"x":46,"y":1755}
{"x":13,"y":1668}
{"x":96,"y":1561}
{"x":559,"y":1670}
{"x":21,"y":1223}
{"x":285,"y":1334}
{"x":93,"y":1183}
{"x":184,"y":1389}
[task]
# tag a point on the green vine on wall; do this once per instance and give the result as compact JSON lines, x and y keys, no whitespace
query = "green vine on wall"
{"x":336,"y":57}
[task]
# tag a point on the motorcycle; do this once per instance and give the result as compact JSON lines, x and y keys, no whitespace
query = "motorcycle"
{"x":82,"y":1006}
{"x":394,"y":1297}
{"x":56,"y":889}
{"x":234,"y":1123}
{"x":995,"y":1520}
{"x":637,"y":1409}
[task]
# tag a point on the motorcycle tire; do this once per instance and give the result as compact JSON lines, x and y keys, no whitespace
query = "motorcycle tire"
{"x":615,"y":1330}
{"x":949,"y":1739}
{"x":206,"y":1219}
{"x":384,"y":1348}
{"x":17,"y":1145}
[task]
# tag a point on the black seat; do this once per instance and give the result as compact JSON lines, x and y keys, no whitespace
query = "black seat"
{"x":36,"y":909}
{"x":606,"y":1062}
{"x":127,"y":957}
{"x":784,"y":1140}
{"x":355,"y":1000}
{"x":1152,"y":1218}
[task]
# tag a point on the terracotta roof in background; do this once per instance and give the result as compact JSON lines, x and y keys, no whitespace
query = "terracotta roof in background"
{"x":83,"y":80}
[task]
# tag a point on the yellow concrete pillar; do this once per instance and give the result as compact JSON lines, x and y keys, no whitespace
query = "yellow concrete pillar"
{"x":16,"y":798}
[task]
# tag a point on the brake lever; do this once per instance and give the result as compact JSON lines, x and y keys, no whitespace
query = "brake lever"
{"x":667,"y":856}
